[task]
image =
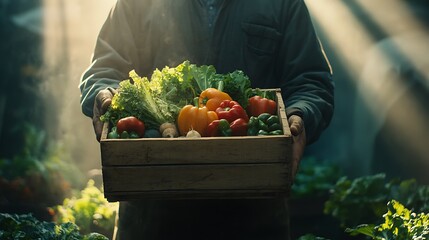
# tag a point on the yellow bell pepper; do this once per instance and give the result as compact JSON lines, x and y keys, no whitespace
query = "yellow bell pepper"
{"x":195,"y":118}
{"x":211,"y":98}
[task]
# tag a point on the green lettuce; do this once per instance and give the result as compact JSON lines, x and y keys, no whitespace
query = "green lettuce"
{"x":136,"y":98}
{"x":158,"y":99}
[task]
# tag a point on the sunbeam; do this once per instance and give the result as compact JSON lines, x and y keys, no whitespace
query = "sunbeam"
{"x":386,"y":55}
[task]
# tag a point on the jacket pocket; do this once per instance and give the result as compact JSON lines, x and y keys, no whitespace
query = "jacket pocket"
{"x":260,"y":39}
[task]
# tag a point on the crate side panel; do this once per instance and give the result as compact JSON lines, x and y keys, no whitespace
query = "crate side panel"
{"x":196,"y":177}
{"x":281,"y":112}
{"x":196,"y":151}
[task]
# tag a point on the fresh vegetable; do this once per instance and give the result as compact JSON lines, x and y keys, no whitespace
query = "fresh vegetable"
{"x":239,"y":127}
{"x":136,"y":98}
{"x":272,"y":120}
{"x":180,"y":84}
{"x":264,"y":124}
{"x":236,"y":84}
{"x":193,"y":134}
{"x":275,"y":132}
{"x":219,"y":127}
{"x":212,"y":97}
{"x":168,"y":130}
{"x":152,"y":133}
{"x":264,"y":117}
{"x":170,"y":133}
{"x":252,"y":126}
{"x":258,"y":105}
{"x":113,"y":134}
{"x":130,"y":124}
{"x":124,"y":135}
{"x":231,"y":110}
{"x":195,"y":118}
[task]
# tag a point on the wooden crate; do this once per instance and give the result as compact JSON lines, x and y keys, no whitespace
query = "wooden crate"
{"x":208,"y":167}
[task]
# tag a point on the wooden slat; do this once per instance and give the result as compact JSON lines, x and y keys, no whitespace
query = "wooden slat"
{"x":196,"y":194}
{"x":195,"y":177}
{"x":191,"y":151}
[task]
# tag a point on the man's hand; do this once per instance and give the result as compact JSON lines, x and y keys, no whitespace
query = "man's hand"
{"x":101,"y":103}
{"x":297,"y":129}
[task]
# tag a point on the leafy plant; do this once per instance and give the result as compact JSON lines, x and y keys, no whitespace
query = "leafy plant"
{"x":39,"y":163}
{"x":315,"y":178}
{"x":89,"y":210}
{"x":181,"y":84}
{"x":364,"y":199}
{"x":136,"y":98}
{"x":236,"y":84}
{"x":311,"y":237}
{"x":26,"y":227}
{"x":399,"y":223}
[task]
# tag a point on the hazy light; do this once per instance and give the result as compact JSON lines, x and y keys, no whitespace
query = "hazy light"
{"x":70,"y":29}
{"x":353,"y":29}
{"x":343,"y":31}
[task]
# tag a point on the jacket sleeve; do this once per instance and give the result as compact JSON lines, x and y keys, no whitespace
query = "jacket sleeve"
{"x":309,"y":89}
{"x":114,"y":55}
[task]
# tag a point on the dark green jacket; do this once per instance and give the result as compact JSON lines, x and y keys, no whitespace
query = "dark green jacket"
{"x":272,"y":41}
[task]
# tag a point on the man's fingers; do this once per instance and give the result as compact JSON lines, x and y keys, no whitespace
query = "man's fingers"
{"x":103,"y":100}
{"x":296,"y":125}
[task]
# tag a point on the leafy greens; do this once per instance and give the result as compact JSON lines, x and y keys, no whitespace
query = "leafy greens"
{"x":159,"y":99}
{"x":136,"y":98}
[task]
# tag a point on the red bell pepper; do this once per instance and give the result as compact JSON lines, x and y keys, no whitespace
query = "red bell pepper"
{"x":239,"y":127}
{"x":258,"y":105}
{"x":231,"y":110}
{"x":219,"y":128}
{"x":222,"y":128}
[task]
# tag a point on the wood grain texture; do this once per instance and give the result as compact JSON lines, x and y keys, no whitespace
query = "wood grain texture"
{"x":197,"y":179}
{"x":193,"y":151}
{"x":196,"y":194}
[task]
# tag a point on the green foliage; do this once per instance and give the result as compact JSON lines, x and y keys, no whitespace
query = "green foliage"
{"x":311,"y":237}
{"x":30,"y":157}
{"x":315,"y":178}
{"x":89,"y":209}
{"x":39,"y":163}
{"x":26,"y":227}
{"x":236,"y":84}
{"x":364,"y":199}
{"x":399,"y":223}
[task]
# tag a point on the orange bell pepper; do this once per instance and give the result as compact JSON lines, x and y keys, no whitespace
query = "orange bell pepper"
{"x":212,"y":97}
{"x":196,"y":118}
